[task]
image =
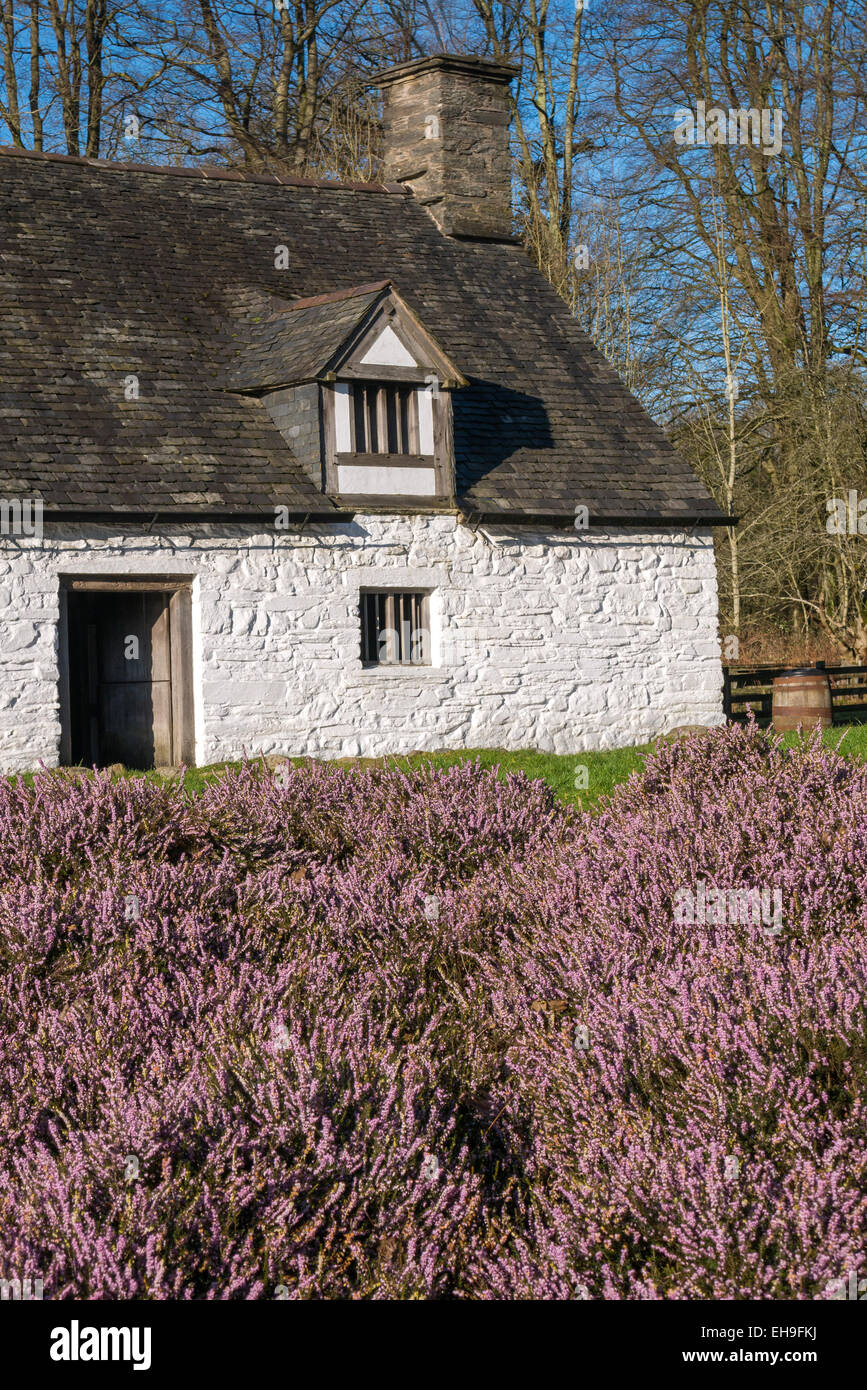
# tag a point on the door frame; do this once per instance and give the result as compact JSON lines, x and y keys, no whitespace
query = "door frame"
{"x":180,"y":589}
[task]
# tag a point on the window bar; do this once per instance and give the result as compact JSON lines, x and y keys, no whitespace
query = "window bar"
{"x":381,"y":415}
{"x":405,"y":629}
{"x":394,"y":626}
{"x":381,"y":627}
{"x":414,"y":447}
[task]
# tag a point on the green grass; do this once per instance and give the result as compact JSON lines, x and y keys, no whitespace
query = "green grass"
{"x":559,"y":770}
{"x":853,"y":736}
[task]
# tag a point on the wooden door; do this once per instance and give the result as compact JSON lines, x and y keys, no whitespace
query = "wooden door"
{"x":134,"y":700}
{"x":124,"y":703}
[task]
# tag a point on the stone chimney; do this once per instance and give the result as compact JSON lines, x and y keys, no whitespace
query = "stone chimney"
{"x":446,"y":122}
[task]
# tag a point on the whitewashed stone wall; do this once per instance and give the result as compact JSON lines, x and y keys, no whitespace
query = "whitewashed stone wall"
{"x":559,"y":641}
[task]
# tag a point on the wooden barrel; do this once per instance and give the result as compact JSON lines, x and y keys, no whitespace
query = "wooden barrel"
{"x":802,"y":697}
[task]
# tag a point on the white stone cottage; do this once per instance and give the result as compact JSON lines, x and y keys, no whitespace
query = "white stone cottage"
{"x":296,"y":466}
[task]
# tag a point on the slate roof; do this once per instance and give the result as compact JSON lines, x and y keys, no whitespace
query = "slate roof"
{"x":110,"y":271}
{"x":284,"y":344}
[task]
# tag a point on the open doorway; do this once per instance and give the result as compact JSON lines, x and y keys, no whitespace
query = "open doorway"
{"x":126,"y":673}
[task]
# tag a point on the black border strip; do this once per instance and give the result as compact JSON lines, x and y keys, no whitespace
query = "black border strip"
{"x":470,"y":517}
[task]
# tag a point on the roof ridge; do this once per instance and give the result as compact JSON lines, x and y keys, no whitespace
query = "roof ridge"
{"x":208,"y":172}
{"x":334,"y":296}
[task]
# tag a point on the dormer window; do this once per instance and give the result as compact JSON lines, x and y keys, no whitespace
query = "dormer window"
{"x":361,"y":393}
{"x":387,"y":411}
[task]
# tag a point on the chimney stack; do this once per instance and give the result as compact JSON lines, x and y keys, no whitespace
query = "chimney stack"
{"x":446,"y":122}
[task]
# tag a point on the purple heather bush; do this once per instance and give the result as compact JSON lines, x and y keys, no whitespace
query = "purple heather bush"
{"x":379,"y":1035}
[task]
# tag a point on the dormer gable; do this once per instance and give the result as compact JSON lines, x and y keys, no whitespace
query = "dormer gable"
{"x":388,"y":351}
{"x":389,"y":338}
{"x":357,"y":369}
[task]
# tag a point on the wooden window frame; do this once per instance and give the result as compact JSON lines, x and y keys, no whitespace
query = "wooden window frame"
{"x":389,"y":605}
{"x":441,"y":460}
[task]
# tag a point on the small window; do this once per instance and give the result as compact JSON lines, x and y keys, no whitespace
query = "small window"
{"x":385,"y":419}
{"x":395,"y":629}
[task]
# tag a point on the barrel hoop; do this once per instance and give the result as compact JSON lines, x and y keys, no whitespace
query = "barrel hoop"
{"x":793,"y":711}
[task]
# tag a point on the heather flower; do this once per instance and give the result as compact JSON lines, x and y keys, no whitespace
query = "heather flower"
{"x":389,"y":1035}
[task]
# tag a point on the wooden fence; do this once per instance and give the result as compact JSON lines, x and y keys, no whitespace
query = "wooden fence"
{"x":752,"y":688}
